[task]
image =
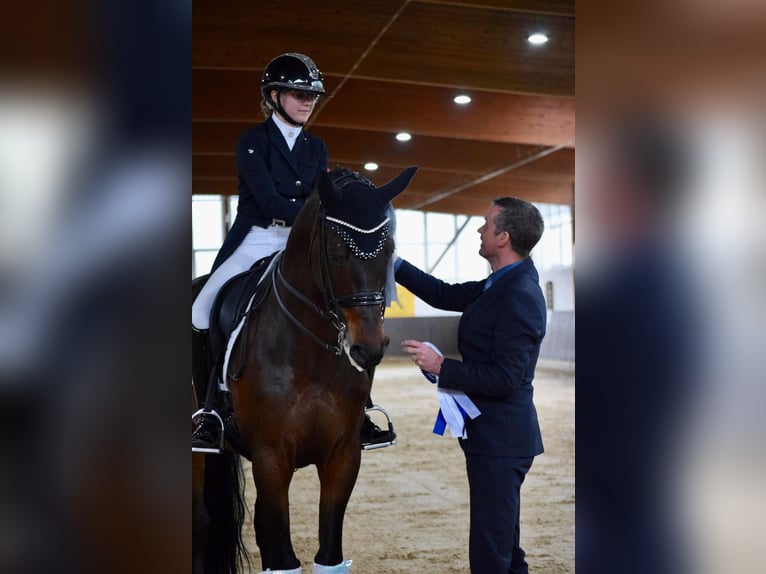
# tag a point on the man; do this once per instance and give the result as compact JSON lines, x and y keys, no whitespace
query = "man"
{"x":638,"y":382}
{"x":499,"y":339}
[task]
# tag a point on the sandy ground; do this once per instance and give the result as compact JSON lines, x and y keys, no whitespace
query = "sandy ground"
{"x":409,"y":510}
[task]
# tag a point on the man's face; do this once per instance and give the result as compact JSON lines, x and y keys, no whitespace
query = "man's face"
{"x":488,"y":246}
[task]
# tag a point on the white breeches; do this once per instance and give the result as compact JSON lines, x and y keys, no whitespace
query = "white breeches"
{"x":258,"y":243}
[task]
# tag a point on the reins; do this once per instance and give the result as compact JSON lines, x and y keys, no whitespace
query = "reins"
{"x":337,"y":323}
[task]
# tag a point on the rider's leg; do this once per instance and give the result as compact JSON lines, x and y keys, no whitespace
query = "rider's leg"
{"x":207,"y":435}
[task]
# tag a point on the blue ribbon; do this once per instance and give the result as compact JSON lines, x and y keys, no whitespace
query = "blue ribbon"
{"x":457,"y":405}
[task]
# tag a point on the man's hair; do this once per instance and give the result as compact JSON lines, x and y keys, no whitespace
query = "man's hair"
{"x":521,"y":220}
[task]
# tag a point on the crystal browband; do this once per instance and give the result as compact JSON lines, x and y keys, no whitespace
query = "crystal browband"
{"x":355,"y":228}
{"x":346,"y":232}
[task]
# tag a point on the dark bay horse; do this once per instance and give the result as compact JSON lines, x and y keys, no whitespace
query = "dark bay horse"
{"x":300,"y":397}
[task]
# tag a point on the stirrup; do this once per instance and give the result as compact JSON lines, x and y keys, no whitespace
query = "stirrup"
{"x":383,"y":444}
{"x":221,"y":434}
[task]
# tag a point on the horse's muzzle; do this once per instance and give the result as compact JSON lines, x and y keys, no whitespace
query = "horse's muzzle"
{"x":366,"y":356}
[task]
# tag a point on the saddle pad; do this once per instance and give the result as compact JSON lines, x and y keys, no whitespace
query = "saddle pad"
{"x":238,"y":327}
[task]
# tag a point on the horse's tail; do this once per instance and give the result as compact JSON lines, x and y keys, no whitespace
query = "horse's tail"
{"x":224,"y":501}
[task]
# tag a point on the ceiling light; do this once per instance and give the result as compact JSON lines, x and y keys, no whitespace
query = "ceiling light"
{"x":462,"y":99}
{"x":403,"y":137}
{"x":371,"y":166}
{"x":537,"y":39}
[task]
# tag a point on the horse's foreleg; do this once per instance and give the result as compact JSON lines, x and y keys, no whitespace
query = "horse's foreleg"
{"x":337,"y":478}
{"x":272,"y":514}
{"x":262,"y":533}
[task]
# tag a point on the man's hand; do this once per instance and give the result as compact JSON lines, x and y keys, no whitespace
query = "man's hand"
{"x":423,"y":356}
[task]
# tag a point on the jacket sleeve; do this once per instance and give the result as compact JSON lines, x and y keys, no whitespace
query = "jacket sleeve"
{"x":435,"y":292}
{"x":254,"y":169}
{"x":514,"y":346}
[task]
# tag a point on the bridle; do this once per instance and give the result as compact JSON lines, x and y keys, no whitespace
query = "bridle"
{"x":333,"y":304}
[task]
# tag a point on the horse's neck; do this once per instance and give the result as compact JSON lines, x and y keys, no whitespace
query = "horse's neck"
{"x":296,"y":268}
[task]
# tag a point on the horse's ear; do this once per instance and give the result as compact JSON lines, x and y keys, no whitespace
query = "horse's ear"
{"x":398,"y":184}
{"x":328,"y":193}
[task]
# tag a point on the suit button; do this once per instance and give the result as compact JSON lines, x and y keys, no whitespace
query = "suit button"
{"x":298,"y":183}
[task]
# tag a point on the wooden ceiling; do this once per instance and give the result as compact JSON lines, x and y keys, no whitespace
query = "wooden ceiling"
{"x":395,"y":65}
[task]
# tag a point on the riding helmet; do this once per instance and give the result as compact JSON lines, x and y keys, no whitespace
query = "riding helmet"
{"x":291,"y":71}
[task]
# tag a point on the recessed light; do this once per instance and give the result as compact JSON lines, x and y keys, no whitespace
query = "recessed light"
{"x":371,"y":166}
{"x":403,"y":137}
{"x":462,"y":99}
{"x":537,"y":39}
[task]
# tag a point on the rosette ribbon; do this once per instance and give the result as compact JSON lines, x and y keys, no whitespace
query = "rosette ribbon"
{"x":454,"y":406}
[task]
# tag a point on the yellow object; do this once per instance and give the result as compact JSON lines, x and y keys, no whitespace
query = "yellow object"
{"x":404,"y":307}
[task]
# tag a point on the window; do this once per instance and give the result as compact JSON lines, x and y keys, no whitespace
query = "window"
{"x":549,"y":295}
{"x":555,"y":249}
{"x":207,"y":231}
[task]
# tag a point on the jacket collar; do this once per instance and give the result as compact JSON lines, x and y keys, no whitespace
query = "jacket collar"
{"x":524,"y":266}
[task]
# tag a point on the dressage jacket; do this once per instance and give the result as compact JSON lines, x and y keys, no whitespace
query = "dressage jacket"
{"x":499,"y":339}
{"x":274,"y":181}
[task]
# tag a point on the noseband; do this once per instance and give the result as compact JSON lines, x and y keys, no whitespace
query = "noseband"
{"x":333,"y":303}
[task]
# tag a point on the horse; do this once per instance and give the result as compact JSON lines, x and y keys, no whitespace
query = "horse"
{"x":298,"y":397}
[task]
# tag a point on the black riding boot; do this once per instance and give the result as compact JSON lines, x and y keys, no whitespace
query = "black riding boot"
{"x":208,"y":428}
{"x":372,"y":435}
{"x":375,"y":437}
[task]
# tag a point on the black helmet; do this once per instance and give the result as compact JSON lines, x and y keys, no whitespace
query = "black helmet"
{"x":290,"y":71}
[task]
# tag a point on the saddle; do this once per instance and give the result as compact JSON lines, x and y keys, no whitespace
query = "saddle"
{"x":240,"y":295}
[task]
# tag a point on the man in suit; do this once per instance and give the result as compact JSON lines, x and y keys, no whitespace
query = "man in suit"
{"x":499,"y":337}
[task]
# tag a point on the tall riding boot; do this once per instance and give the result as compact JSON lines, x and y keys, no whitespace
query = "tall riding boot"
{"x":208,"y":430}
{"x":200,"y":364}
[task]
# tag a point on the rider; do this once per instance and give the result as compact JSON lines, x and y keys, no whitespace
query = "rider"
{"x":277,"y":164}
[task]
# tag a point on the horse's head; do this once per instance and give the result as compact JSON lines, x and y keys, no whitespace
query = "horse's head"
{"x":354,"y":250}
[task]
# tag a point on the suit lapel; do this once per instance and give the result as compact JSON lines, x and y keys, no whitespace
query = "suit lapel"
{"x":499,"y":285}
{"x":521,"y":269}
{"x":276,"y":139}
{"x":299,"y":145}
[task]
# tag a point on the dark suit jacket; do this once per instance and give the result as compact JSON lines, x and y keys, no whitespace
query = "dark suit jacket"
{"x":274,"y":181}
{"x":499,"y":340}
